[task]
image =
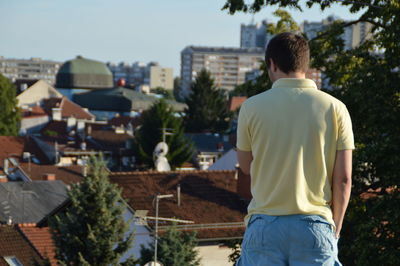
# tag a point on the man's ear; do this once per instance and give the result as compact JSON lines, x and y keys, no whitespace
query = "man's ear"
{"x":273,"y":66}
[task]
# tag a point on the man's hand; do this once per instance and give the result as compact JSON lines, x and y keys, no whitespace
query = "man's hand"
{"x":244,"y":158}
{"x":341,"y":187}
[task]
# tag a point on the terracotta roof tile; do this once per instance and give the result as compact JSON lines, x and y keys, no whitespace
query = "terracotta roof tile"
{"x":236,"y":102}
{"x":33,"y":112}
{"x":68,"y":174}
{"x":15,"y":146}
{"x":207,"y":197}
{"x":42,"y":240}
{"x":68,"y":108}
{"x":13,"y":243}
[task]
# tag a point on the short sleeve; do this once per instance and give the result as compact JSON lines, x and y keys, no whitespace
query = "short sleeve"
{"x":345,"y":134}
{"x":243,"y":142}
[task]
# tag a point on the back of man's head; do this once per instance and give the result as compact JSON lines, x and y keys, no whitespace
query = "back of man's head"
{"x":290,"y":52}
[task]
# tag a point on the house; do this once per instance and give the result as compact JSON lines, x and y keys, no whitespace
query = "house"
{"x":30,"y":202}
{"x":42,"y":103}
{"x":209,"y":199}
{"x":209,"y":147}
{"x":40,"y":238}
{"x":36,"y":93}
{"x":228,"y":161}
{"x":106,"y":103}
{"x":15,"y":249}
{"x":235,"y":102}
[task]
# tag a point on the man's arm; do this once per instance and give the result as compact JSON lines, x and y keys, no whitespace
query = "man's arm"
{"x":341,"y":186}
{"x":244,"y":158}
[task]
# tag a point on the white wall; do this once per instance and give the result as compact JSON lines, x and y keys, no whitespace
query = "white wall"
{"x":214,"y":255}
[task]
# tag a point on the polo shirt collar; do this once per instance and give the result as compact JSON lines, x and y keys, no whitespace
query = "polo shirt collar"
{"x":294,"y":83}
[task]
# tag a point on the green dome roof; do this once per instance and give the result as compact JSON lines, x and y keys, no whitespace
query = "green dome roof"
{"x":84,"y":73}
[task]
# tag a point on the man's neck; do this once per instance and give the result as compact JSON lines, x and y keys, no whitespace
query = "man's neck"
{"x":292,"y":75}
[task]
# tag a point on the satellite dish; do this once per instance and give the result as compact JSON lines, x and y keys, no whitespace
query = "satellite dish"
{"x":161,"y":149}
{"x":161,"y":162}
{"x":153,"y":263}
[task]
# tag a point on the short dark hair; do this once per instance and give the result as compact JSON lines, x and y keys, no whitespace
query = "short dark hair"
{"x":289,"y":51}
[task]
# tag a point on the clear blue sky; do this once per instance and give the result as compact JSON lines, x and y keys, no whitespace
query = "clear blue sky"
{"x":125,"y":30}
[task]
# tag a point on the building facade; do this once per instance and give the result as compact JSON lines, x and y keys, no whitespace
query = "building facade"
{"x":29,"y":69}
{"x":137,"y":74}
{"x":254,"y":35}
{"x":352,"y":36}
{"x":228,"y":66}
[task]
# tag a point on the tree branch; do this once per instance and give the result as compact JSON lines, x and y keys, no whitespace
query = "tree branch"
{"x":347,"y":24}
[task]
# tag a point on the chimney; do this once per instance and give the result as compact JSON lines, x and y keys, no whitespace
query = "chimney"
{"x":178,"y":194}
{"x":243,"y":185}
{"x":56,"y":114}
{"x":220,"y":146}
{"x":49,"y":177}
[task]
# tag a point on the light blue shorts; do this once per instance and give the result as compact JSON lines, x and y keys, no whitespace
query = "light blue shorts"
{"x":288,"y":240}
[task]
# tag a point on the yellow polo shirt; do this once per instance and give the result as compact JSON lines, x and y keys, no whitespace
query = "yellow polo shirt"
{"x":293,"y":132}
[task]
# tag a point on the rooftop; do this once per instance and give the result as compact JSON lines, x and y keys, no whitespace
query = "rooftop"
{"x":84,"y":73}
{"x":68,"y":108}
{"x":42,"y":240}
{"x":30,"y":202}
{"x":208,"y":198}
{"x":14,"y":244}
{"x":225,"y":50}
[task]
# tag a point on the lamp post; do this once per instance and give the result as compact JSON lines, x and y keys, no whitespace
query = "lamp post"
{"x":158,"y":197}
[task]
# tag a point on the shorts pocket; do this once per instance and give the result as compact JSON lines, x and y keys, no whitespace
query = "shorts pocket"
{"x":257,"y":232}
{"x":321,"y":233}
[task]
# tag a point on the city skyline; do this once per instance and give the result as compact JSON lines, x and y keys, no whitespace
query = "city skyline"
{"x":127,"y":31}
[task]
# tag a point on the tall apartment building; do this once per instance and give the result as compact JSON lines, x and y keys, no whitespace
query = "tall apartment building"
{"x":151,"y":74}
{"x":228,"y":66}
{"x":29,"y":69}
{"x":254,"y":35}
{"x":353,"y":35}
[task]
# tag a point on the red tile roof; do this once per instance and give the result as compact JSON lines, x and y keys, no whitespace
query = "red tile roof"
{"x":42,"y":240}
{"x":33,"y":112}
{"x":16,"y":146}
{"x":68,"y":174}
{"x":68,"y":108}
{"x":11,"y":146}
{"x":13,"y":243}
{"x":236,"y":102}
{"x":207,"y":197}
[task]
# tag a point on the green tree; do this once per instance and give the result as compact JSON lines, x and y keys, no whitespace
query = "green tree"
{"x":175,"y":248}
{"x":207,"y":106}
{"x":367,"y":79}
{"x":177,"y":90}
{"x":10,"y":113}
{"x":92,"y":231}
{"x":167,"y":94}
{"x":160,"y":116}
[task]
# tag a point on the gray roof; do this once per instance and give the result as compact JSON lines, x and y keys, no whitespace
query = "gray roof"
{"x":30,"y":202}
{"x":226,"y":50}
{"x":119,"y":100}
{"x":208,"y":142}
{"x":84,"y":73}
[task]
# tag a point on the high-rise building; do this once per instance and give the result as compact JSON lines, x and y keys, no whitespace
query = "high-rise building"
{"x":29,"y":69}
{"x":353,"y":35}
{"x":254,"y":35}
{"x":137,"y":74}
{"x":228,"y":66}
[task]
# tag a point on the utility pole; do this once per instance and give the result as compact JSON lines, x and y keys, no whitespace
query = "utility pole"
{"x":158,"y":197}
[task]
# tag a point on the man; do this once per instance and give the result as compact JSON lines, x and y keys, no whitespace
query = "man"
{"x":296,"y":143}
